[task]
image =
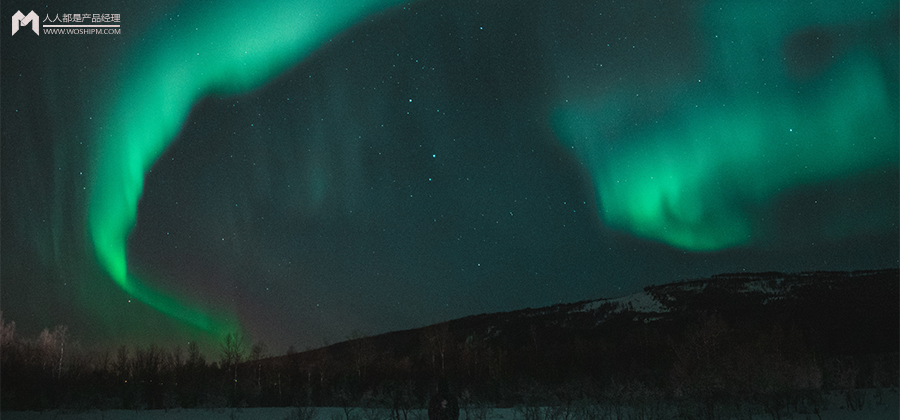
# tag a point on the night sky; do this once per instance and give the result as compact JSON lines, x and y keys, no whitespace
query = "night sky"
{"x":303,"y":173}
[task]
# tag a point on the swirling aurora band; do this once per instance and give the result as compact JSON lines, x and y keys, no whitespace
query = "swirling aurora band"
{"x":747,"y":134}
{"x":666,"y":185}
{"x":159,"y":83}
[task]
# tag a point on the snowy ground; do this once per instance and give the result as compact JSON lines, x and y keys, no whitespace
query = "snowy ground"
{"x":879,"y":405}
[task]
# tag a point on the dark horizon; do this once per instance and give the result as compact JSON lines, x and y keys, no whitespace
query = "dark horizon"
{"x":735,"y":345}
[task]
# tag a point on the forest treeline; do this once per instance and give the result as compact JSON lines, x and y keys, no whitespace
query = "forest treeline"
{"x":720,"y":359}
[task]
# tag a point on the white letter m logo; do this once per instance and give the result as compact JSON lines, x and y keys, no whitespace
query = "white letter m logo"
{"x":19,"y":20}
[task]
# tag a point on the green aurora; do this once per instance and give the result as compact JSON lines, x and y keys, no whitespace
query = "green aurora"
{"x":159,"y":83}
{"x":746,"y":133}
{"x":749,"y":133}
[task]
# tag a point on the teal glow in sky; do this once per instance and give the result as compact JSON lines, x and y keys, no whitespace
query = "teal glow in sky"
{"x":301,"y":171}
{"x":159,"y":83}
{"x":704,"y":174}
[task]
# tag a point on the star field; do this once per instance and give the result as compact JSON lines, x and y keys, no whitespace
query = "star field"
{"x":384,"y":166}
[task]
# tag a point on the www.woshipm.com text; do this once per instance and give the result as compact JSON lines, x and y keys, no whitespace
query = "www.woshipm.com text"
{"x":82,"y":31}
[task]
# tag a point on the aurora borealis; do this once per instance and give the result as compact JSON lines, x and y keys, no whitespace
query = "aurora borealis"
{"x":301,"y":172}
{"x":700,"y":182}
{"x":158,"y":87}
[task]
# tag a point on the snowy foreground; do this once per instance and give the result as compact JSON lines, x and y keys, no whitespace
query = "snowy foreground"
{"x":886,"y":405}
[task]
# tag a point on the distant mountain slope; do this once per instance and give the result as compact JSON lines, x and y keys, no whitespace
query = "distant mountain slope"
{"x":847,"y":313}
{"x":797,"y":319}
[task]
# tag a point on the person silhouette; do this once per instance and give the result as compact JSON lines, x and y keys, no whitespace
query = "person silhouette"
{"x":443,"y":405}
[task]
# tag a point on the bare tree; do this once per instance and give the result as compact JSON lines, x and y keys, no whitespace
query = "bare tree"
{"x":122,"y":363}
{"x":8,"y":345}
{"x":362,"y":352}
{"x":232,"y":349}
{"x":195,"y":359}
{"x":176,"y":358}
{"x":51,"y":348}
{"x":259,"y":351}
{"x":438,"y":342}
{"x":232,"y":355}
{"x":7,"y":333}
